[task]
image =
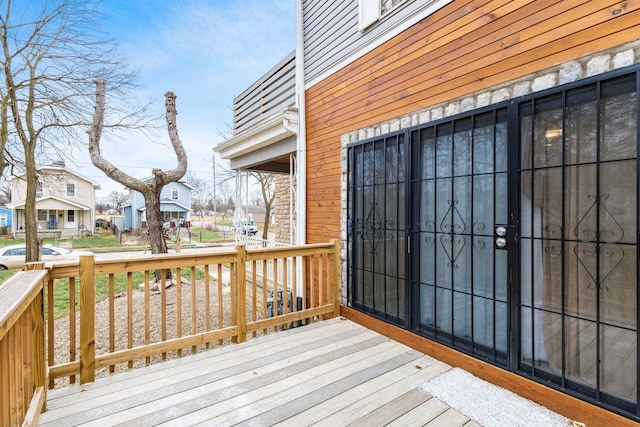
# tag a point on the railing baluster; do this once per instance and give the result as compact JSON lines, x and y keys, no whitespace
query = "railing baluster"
{"x":50,"y":329}
{"x":112,"y":317}
{"x":72,"y":324}
{"x":254,"y":293}
{"x":162,"y":286}
{"x":87,"y":319}
{"x":265,"y":292}
{"x":241,"y":294}
{"x":194,"y":304}
{"x":147,"y":320}
{"x":335,"y":277}
{"x":207,"y":300}
{"x":220,"y":301}
{"x":179,"y":306}
{"x":129,"y":314}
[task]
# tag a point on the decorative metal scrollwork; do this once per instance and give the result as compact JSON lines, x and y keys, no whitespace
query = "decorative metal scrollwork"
{"x":586,"y":234}
{"x":452,"y":242}
{"x":598,"y":242}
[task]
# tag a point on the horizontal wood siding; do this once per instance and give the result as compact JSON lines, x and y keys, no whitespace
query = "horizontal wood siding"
{"x":331,"y":30}
{"x":465,"y":47}
{"x":270,"y":95}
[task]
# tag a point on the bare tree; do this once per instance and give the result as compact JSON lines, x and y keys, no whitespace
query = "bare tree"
{"x":200,"y":192}
{"x":267,"y":182}
{"x":150,"y":190}
{"x":5,"y":192}
{"x":51,"y":54}
{"x":118,"y":199}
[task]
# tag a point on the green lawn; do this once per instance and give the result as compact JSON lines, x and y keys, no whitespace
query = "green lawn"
{"x":107,"y":242}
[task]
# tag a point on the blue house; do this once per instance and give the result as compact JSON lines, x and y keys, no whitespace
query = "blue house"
{"x":5,"y":218}
{"x":175,"y":203}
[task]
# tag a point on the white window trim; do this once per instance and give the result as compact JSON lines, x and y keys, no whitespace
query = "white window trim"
{"x":39,"y":189}
{"x":177,"y":193}
{"x":74,"y":189}
{"x":368,"y":13}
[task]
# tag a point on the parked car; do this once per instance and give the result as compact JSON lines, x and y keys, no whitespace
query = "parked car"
{"x":13,"y":256}
{"x":246,"y":227}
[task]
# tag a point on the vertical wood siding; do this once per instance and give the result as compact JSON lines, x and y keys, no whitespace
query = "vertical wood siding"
{"x":467,"y":46}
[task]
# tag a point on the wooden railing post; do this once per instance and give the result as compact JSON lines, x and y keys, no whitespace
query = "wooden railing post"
{"x":37,"y":336}
{"x":241,"y":294}
{"x":335,"y":278}
{"x":87,"y":319}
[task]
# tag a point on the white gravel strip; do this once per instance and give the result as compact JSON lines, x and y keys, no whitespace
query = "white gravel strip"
{"x":489,"y":405}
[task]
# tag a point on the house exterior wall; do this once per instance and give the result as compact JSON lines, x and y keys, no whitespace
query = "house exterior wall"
{"x":462,"y":49}
{"x":325,"y":49}
{"x":467,"y":55}
{"x":54,"y":182}
{"x":133,"y":216}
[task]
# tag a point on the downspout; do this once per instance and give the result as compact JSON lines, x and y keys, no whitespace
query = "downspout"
{"x":301,"y":161}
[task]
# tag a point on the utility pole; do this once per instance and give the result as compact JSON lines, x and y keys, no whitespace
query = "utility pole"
{"x":215,"y":203}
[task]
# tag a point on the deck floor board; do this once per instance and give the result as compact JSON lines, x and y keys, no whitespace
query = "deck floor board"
{"x":333,"y":373}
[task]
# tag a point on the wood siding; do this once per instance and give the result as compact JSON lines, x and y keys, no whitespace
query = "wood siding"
{"x":270,"y":95}
{"x":465,"y":47}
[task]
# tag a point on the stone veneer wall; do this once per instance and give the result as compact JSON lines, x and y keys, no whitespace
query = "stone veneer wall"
{"x":591,"y":65}
{"x":282,"y":227}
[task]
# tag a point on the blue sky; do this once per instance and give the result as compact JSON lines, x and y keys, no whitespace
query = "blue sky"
{"x":207,"y":52}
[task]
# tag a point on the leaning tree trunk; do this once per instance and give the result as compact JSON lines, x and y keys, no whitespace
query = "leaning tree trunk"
{"x":150,"y":190}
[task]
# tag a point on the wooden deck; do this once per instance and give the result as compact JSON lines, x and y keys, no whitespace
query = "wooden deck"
{"x":330,"y":373}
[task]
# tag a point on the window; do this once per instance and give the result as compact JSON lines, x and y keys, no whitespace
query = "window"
{"x":370,"y":11}
{"x":174,"y":193}
{"x":3,"y":220}
{"x":39,"y":191}
{"x":71,"y":190}
{"x":42,"y":214}
{"x":71,"y":215}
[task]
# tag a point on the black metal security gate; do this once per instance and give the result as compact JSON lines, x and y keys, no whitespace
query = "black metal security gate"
{"x":460,"y":233}
{"x":511,"y":234}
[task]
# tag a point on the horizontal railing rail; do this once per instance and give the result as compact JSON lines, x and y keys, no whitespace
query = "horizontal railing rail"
{"x":213,"y":298}
{"x":22,"y":363}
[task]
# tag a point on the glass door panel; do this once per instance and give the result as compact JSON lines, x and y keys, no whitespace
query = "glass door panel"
{"x":459,"y":275}
{"x":578,"y":240}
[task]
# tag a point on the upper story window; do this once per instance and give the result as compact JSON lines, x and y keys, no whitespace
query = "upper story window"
{"x":370,"y":11}
{"x":39,"y":191}
{"x":71,"y":190}
{"x":175,"y":193}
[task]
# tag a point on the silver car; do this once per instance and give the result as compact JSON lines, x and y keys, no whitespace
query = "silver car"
{"x":14,"y":256}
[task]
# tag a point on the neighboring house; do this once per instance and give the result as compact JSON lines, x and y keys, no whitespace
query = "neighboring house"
{"x":5,"y":220}
{"x":175,"y":203}
{"x":65,"y":201}
{"x":479,"y":162}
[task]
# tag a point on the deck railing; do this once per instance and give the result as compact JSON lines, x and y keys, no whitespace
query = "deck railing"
{"x":22,"y":363}
{"x":216,"y":298}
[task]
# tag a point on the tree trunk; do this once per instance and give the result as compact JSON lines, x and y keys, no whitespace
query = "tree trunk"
{"x":30,"y":224}
{"x":154,"y":221}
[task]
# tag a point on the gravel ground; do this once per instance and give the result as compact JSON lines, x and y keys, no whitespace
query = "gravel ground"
{"x":138,"y":331}
{"x":488,"y":404}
